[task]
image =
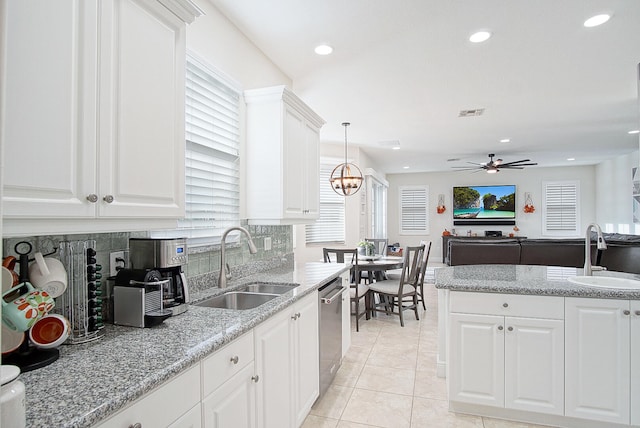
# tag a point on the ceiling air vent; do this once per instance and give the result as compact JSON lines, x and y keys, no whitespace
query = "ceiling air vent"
{"x":472,"y":112}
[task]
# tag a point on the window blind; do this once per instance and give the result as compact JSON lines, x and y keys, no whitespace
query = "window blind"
{"x":212,"y":155}
{"x":414,"y":213}
{"x":330,"y":224}
{"x":561,"y":208}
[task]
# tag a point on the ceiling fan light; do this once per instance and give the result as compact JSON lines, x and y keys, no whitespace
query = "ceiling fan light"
{"x":492,"y":170}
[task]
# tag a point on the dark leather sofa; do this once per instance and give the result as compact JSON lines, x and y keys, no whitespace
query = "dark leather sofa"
{"x":622,"y":253}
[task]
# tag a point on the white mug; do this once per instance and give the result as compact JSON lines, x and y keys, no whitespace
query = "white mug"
{"x":48,"y":274}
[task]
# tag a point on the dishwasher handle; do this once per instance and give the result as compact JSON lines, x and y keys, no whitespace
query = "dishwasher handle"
{"x":329,"y":300}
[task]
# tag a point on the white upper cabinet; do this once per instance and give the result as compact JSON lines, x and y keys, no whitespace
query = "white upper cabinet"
{"x":283,"y":164}
{"x":94,"y":122}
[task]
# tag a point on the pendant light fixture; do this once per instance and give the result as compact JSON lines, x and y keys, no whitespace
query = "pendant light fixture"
{"x":346,"y":178}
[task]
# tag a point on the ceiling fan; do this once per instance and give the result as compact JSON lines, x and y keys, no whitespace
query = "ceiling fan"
{"x":494,"y":166}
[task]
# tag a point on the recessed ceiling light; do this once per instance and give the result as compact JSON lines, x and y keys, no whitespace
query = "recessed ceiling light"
{"x":405,"y":167}
{"x":571,"y":159}
{"x":323,"y":49}
{"x":395,"y":148}
{"x":635,"y":131}
{"x":479,"y":37}
{"x":594,"y":21}
{"x":505,"y":140}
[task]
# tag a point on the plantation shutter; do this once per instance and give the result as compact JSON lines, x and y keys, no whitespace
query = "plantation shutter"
{"x":561,"y":208}
{"x":330,"y":224}
{"x":414,"y":213}
{"x":212,"y":191}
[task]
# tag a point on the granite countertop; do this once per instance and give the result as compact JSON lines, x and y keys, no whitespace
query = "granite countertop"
{"x":523,"y":279}
{"x":92,"y":381}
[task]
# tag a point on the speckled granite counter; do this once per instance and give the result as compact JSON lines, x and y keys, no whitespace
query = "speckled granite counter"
{"x":90,"y":382}
{"x":522,"y":279}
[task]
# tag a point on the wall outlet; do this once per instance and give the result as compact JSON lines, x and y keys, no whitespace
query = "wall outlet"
{"x":267,"y":243}
{"x":116,"y":259}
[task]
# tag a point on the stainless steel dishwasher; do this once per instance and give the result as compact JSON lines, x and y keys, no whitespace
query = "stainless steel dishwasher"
{"x":330,"y":296}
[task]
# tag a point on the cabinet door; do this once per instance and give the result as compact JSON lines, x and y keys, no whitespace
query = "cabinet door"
{"x":534,"y":365}
{"x":635,"y":362}
{"x":50,"y":109}
{"x":306,"y":357}
{"x":233,"y":403}
{"x":141,"y":110}
{"x":346,"y":316}
{"x":597,"y":359}
{"x":312,"y":171}
{"x":274,"y":365}
{"x":476,"y":359}
{"x":294,"y":164}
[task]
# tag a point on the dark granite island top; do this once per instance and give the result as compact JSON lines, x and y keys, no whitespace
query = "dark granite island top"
{"x":534,"y":280}
{"x":93,"y":381}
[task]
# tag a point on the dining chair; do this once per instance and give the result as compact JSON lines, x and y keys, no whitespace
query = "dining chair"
{"x":357,"y":291}
{"x":380,"y":250}
{"x":401,"y":293}
{"x":396,"y":273}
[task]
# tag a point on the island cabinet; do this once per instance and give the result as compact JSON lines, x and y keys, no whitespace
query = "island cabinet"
{"x":94,"y":114}
{"x":506,"y":351}
{"x":282,"y":158}
{"x":603,"y":360}
{"x":287,"y":365}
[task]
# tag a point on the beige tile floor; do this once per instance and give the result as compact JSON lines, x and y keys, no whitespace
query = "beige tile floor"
{"x":388,"y":379}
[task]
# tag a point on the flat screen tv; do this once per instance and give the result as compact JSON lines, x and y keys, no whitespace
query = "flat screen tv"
{"x":484,"y":205}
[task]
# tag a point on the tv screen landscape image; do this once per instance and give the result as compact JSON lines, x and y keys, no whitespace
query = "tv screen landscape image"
{"x":484,"y":205}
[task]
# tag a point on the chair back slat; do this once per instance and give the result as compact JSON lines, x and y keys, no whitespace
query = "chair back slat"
{"x":339,"y":255}
{"x":381,"y":245}
{"x":423,"y":263}
{"x":411,"y":266}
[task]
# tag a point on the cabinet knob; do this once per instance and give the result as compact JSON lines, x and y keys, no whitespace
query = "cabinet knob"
{"x":234,"y":360}
{"x":108,"y":199}
{"x":294,"y":317}
{"x":298,"y":315}
{"x":626,"y":312}
{"x":255,"y":378}
{"x":510,"y":328}
{"x":136,"y":425}
{"x":500,"y":327}
{"x":637,"y":312}
{"x":505,"y":305}
{"x":93,"y":198}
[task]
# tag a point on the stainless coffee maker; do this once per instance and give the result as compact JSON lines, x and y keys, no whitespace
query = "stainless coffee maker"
{"x":166,"y":256}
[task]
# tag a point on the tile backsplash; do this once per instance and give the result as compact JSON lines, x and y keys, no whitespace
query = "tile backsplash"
{"x":203,"y":261}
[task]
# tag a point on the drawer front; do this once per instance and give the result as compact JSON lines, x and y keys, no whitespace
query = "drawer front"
{"x":550,"y":307}
{"x":160,"y":408}
{"x":226,"y":362}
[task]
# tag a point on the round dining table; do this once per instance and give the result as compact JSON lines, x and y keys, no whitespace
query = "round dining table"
{"x":377,"y":265}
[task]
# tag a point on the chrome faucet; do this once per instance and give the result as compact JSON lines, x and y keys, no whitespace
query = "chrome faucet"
{"x":225,"y":272}
{"x":601,"y":245}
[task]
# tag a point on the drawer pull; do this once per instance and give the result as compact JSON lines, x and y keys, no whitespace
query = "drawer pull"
{"x":234,"y":360}
{"x":136,"y":425}
{"x":626,"y":312}
{"x":500,"y":327}
{"x":505,"y":305}
{"x":255,"y":378}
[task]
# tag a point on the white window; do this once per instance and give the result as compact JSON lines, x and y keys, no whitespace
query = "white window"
{"x":414,"y":210}
{"x":561,"y":211}
{"x":212,"y":155}
{"x":330,"y":224}
{"x":377,"y":203}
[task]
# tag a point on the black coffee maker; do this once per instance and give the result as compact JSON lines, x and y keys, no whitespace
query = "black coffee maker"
{"x":167,"y":256}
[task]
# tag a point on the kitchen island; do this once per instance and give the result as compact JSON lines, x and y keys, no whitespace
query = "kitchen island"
{"x":527,"y":343}
{"x":91,"y":382}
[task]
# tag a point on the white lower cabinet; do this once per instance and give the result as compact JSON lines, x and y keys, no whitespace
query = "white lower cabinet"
{"x":602,"y":372}
{"x":346,"y":314}
{"x":160,"y":408}
{"x":507,"y":351}
{"x":287,"y":365}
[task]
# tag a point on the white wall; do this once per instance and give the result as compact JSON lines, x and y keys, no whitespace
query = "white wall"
{"x":527,"y":180}
{"x":614,"y":189}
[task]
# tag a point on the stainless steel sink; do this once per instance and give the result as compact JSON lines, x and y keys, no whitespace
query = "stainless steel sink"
{"x":237,"y":300}
{"x":267,"y":288}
